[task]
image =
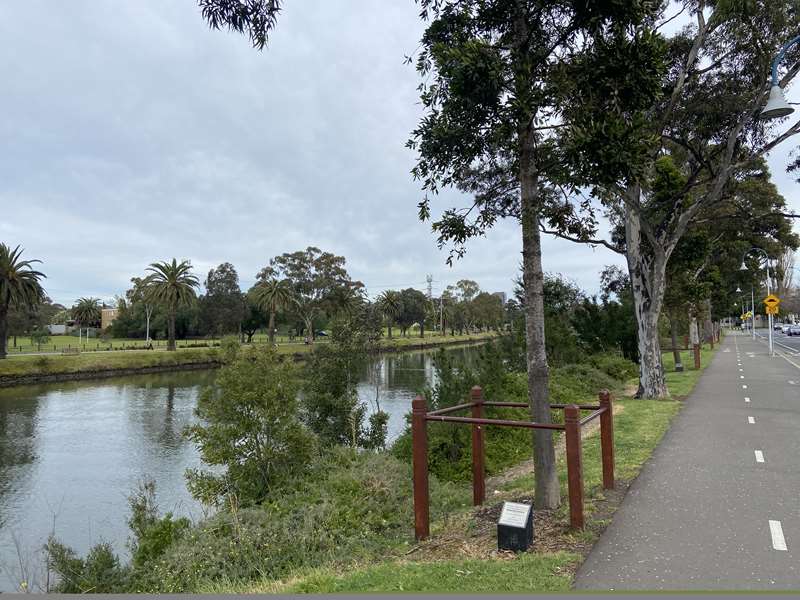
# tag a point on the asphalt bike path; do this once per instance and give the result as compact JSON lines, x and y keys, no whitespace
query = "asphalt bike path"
{"x":718,"y":504}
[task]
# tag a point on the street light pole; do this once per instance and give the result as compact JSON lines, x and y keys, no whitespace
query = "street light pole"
{"x":769,"y":291}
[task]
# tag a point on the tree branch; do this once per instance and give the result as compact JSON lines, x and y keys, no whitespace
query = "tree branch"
{"x":577,"y":240}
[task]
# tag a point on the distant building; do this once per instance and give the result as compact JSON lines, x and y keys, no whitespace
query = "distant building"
{"x":107,"y":316}
{"x":502,"y":296}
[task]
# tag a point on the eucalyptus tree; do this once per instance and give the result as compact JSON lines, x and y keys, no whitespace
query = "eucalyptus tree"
{"x":704,"y":125}
{"x":171,"y":284}
{"x":390,"y":303}
{"x":20,"y":287}
{"x":87,"y":312}
{"x":256,"y":18}
{"x":491,"y":77}
{"x":319,"y":281}
{"x":137,"y":295}
{"x":273,"y":296}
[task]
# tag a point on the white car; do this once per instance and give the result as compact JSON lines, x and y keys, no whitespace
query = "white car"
{"x":785,"y":328}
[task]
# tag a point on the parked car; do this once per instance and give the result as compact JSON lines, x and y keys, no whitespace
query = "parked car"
{"x":785,"y":328}
{"x":777,"y":326}
{"x":794,"y":330}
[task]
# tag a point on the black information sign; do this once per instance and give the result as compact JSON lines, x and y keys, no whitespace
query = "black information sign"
{"x":515,"y":527}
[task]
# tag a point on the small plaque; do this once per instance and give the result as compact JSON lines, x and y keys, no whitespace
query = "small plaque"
{"x":515,"y":527}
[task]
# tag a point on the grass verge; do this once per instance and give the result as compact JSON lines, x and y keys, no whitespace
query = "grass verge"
{"x":91,"y":363}
{"x":462,"y":555}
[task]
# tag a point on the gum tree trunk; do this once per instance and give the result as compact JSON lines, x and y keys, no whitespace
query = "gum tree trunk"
{"x":647,"y":269}
{"x":547,"y":492}
{"x":673,"y":330}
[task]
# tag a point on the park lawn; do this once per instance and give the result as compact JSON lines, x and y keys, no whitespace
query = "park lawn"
{"x":681,"y":384}
{"x":93,"y":362}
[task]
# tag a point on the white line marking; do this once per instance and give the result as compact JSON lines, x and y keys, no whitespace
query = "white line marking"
{"x":751,"y":420}
{"x":744,"y":387}
{"x":776,"y":531}
{"x":741,"y":376}
{"x":741,"y":370}
{"x":747,"y":398}
{"x":759,"y":456}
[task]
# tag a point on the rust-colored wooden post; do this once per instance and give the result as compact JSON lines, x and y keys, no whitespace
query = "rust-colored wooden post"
{"x":419,"y":452}
{"x":478,"y":456}
{"x":572,"y":431}
{"x":607,"y":439}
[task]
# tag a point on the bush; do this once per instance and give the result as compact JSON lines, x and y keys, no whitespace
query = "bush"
{"x":352,"y":508}
{"x":99,"y":572}
{"x":615,"y":366}
{"x":250,"y":426}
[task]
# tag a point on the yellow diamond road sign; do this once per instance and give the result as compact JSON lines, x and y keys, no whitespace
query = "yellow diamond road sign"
{"x":772,"y":300}
{"x":772,"y":310}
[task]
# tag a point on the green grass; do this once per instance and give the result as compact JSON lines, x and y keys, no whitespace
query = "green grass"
{"x":681,"y":384}
{"x":88,"y":362}
{"x":638,"y":429}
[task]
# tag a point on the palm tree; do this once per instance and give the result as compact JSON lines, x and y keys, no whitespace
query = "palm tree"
{"x":172,"y":285}
{"x":390,"y":303}
{"x":274,"y":296}
{"x":87,"y":311}
{"x":19,"y":287}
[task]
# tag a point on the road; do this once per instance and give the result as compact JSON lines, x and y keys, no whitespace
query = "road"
{"x":718,"y":504}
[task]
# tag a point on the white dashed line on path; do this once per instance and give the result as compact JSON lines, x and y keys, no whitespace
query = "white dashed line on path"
{"x":741,"y":376}
{"x":776,"y":531}
{"x":744,"y":387}
{"x":751,"y":420}
{"x":747,"y":398}
{"x":759,"y":456}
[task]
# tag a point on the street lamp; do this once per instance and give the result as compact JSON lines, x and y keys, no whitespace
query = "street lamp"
{"x":744,"y":268}
{"x":777,"y":106}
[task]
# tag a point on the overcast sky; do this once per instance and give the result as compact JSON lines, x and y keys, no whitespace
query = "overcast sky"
{"x":131,"y":133}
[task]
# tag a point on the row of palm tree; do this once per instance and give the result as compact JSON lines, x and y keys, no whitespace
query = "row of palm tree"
{"x":170,"y":284}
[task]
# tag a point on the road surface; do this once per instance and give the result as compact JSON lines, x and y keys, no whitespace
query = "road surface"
{"x":718,"y":504}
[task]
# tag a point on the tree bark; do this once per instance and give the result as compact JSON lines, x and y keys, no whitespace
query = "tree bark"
{"x":390,"y":328}
{"x":547,"y":493}
{"x":3,"y":330}
{"x":673,"y":330}
{"x":271,"y":332}
{"x":171,"y":330}
{"x":647,"y":270}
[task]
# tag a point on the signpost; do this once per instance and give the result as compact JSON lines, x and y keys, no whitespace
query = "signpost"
{"x":515,"y":527}
{"x":771,"y":302}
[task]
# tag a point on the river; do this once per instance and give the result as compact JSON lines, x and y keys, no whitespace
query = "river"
{"x":71,"y":453}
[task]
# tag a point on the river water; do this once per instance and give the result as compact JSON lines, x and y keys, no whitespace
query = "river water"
{"x":72,"y":453}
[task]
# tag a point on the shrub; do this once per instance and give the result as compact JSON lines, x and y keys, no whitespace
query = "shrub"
{"x":100,"y":572}
{"x":351,"y":508}
{"x":615,"y":366}
{"x":251,"y":428}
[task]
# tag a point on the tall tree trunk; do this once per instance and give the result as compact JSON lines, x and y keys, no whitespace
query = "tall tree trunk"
{"x":548,"y":492}
{"x":3,"y":330}
{"x":309,"y":325}
{"x":422,"y":329}
{"x":271,"y":333}
{"x":390,"y":328}
{"x":171,"y":329}
{"x":647,"y":270}
{"x":673,"y":330}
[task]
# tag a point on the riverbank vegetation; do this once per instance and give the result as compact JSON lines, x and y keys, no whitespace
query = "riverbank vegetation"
{"x":32,"y":368}
{"x":304,"y":488}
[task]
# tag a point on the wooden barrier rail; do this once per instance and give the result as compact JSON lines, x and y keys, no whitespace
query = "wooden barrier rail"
{"x":572,"y":431}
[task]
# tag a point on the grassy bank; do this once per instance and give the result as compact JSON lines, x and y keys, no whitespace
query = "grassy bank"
{"x":30,"y":368}
{"x":462,"y":555}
